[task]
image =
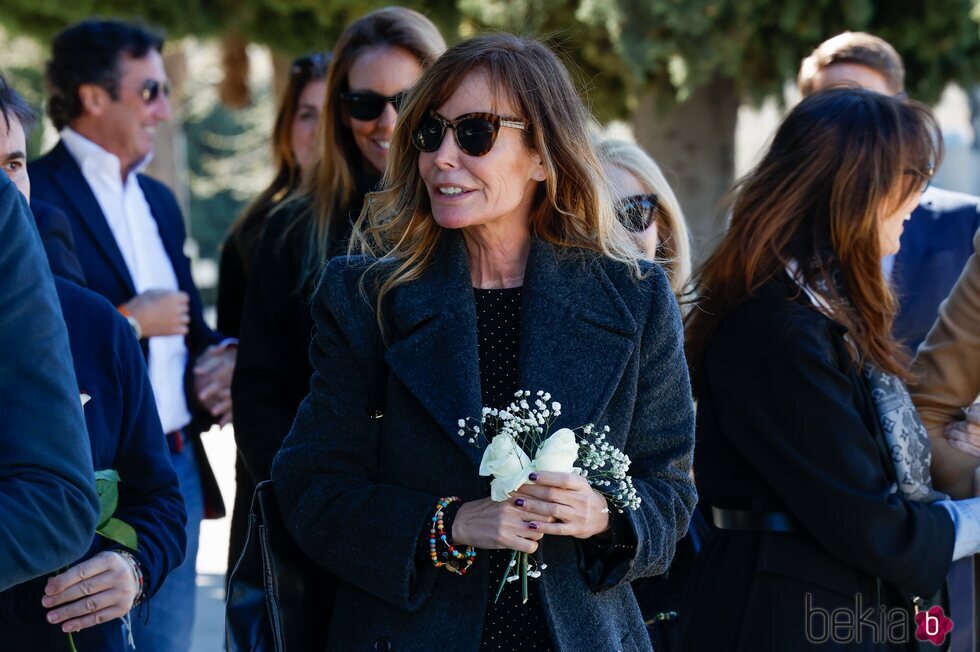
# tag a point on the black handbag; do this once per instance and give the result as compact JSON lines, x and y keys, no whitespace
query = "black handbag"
{"x":278,"y":598}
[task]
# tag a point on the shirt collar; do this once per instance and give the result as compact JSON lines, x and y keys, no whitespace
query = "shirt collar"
{"x":91,"y":156}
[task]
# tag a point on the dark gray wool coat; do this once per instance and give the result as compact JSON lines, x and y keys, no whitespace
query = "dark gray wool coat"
{"x":358,"y":493}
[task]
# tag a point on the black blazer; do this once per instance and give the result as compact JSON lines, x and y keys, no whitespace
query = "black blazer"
{"x":57,"y":179}
{"x":358,"y":493}
{"x":785,"y":423}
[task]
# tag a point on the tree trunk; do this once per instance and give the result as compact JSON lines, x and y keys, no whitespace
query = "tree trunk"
{"x":282,"y":68}
{"x":169,"y":163}
{"x":233,"y":90}
{"x":694,"y":143}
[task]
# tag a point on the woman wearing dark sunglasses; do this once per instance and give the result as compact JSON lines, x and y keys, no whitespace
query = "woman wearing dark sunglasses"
{"x":377,"y":57}
{"x":293,"y":150}
{"x":492,"y":262}
{"x":647,"y":206}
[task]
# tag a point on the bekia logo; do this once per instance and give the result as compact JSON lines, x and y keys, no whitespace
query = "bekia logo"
{"x":883,"y":625}
{"x":932,"y":625}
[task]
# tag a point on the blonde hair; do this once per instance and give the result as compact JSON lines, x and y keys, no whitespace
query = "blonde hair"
{"x":331,"y":185}
{"x":572,"y":208}
{"x":674,"y":246}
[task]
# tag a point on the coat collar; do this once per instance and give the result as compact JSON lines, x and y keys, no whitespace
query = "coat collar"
{"x":576,"y":336}
{"x":68,"y":176}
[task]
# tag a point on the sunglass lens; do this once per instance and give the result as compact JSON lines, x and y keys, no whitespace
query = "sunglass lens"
{"x":637,"y":212}
{"x":428,"y":134}
{"x":365,"y":106}
{"x":475,"y":136}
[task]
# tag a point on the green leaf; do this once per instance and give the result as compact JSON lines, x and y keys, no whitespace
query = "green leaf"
{"x":108,"y":491}
{"x":111,"y":475}
{"x":120,"y":532}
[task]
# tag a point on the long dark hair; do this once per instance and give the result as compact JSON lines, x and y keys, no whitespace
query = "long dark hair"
{"x":246,"y":230}
{"x":838,"y":161}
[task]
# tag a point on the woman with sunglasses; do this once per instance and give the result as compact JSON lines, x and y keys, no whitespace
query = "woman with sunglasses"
{"x":811,"y":459}
{"x":376,"y":59}
{"x":293,"y":150}
{"x":492,"y":261}
{"x":646,"y":205}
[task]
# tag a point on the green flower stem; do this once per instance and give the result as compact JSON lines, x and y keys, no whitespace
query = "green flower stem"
{"x":71,"y":643}
{"x":503,"y":580}
{"x":524,"y":565}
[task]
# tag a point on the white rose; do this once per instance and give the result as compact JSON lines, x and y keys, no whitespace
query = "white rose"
{"x":557,"y":453}
{"x":507,"y":463}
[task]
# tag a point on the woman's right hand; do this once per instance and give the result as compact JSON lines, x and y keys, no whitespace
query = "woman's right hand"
{"x":965,"y":435}
{"x":493,"y":525}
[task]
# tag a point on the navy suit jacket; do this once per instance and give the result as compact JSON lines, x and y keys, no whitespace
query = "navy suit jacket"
{"x":357,"y":493}
{"x":124,"y":434}
{"x":48,"y":504}
{"x":936,"y":244}
{"x":57,"y":179}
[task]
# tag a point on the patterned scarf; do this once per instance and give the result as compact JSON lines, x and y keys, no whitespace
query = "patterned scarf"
{"x":908,"y":443}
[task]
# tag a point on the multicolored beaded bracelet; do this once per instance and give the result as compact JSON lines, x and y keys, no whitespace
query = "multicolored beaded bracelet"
{"x":455,"y":561}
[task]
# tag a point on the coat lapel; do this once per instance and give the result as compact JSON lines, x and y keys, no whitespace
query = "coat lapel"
{"x":576,"y":333}
{"x":576,"y":337}
{"x":434,"y":347}
{"x":68,"y":176}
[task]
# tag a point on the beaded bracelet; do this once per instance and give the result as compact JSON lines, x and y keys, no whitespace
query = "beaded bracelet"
{"x":438,"y":532}
{"x":137,"y":573}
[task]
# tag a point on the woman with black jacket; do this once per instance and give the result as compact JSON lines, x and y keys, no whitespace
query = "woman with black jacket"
{"x":375,"y":62}
{"x":810,"y":459}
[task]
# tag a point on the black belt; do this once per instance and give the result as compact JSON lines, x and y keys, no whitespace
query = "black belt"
{"x":740,"y":519}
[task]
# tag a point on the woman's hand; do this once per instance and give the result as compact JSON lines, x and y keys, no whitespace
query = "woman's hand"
{"x":965,"y":435}
{"x":575,"y":508}
{"x":92,"y":592}
{"x":493,"y":525}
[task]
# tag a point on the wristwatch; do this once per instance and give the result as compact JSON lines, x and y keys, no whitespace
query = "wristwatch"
{"x":135,"y":325}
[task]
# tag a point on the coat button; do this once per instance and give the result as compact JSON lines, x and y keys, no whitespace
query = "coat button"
{"x":382,"y":645}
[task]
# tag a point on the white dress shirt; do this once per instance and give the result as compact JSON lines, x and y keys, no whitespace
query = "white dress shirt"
{"x":135,"y":231}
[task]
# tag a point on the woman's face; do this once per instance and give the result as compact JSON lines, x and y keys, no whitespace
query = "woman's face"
{"x":495,"y":190}
{"x":386,"y":71}
{"x":892,"y":223}
{"x":623,"y":184}
{"x":302,"y":133}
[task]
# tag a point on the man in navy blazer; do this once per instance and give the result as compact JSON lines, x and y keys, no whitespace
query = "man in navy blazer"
{"x":48,"y":502}
{"x":109,"y":90}
{"x":937,"y":241}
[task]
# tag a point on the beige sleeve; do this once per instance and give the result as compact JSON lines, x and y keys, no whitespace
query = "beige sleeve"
{"x":947,"y":368}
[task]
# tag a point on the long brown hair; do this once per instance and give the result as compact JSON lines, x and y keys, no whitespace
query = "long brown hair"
{"x":572,"y":209}
{"x":246,"y":229}
{"x":331,"y":186}
{"x":839,"y":161}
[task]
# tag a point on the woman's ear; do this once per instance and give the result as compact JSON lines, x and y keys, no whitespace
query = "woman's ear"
{"x":538,"y":173}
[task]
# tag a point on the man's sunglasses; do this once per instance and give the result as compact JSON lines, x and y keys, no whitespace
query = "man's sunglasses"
{"x":368,"y":105}
{"x":637,"y":212}
{"x":475,"y":132}
{"x":151,"y":89}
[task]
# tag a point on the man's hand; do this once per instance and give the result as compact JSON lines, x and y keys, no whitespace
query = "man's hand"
{"x":90,"y":593}
{"x":160,"y":312}
{"x":212,"y":380}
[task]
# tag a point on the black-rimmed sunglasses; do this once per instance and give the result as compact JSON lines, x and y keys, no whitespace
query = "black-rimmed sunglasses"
{"x":313,"y":64}
{"x":151,"y":89}
{"x":475,"y":133}
{"x":368,"y":105}
{"x":637,"y":212}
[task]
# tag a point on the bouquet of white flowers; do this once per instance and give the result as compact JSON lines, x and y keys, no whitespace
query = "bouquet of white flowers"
{"x":520,"y":442}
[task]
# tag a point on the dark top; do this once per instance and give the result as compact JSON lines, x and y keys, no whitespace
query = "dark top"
{"x":272,"y":373}
{"x":47,"y":497}
{"x":124,"y":434}
{"x":785,"y":423}
{"x":58,"y":241}
{"x":509,"y":624}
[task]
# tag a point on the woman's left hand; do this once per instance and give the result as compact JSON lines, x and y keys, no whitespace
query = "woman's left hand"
{"x":92,"y":592}
{"x":582,"y":512}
